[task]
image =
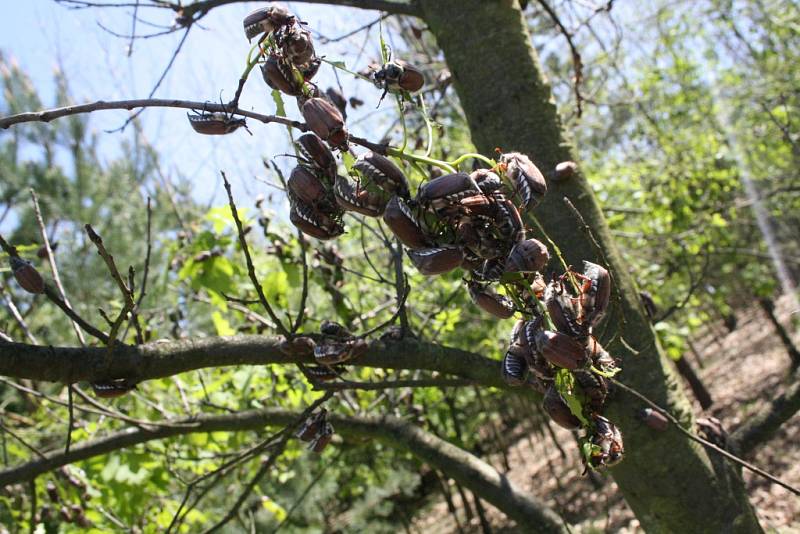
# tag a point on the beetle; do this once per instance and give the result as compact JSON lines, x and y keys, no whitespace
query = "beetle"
{"x":653,"y":419}
{"x":398,"y":76}
{"x":357,"y":199}
{"x":498,"y":305}
{"x":108,"y":389}
{"x":266,"y":20}
{"x":595,"y":294}
{"x":608,"y":439}
{"x":296,"y":44}
{"x":527,"y":256}
{"x":436,"y":260}
{"x":556,"y":407}
{"x":300,"y":346}
{"x":325,"y":120}
{"x":279,"y":75}
{"x":314,"y":223}
{"x":316,"y":154}
{"x":404,"y":224}
{"x":307,"y":187}
{"x":526,"y":179}
{"x":322,"y":438}
{"x":560,"y":349}
{"x":381,"y":171}
{"x":312,"y":426}
{"x":447,"y":189}
{"x":26,"y":275}
{"x":216,"y":123}
{"x":514,"y":368}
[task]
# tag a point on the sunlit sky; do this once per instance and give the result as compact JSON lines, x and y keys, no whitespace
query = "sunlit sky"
{"x":42,"y":36}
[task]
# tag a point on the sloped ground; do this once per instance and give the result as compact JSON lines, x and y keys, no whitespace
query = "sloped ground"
{"x":743,"y":370}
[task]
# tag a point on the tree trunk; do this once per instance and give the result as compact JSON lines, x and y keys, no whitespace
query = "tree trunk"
{"x":670,"y":483}
{"x":769,"y":308}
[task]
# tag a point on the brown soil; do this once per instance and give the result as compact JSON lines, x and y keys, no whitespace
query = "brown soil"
{"x":593,"y":504}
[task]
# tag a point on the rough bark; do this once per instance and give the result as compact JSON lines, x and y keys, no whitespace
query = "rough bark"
{"x":166,"y":358}
{"x":670,"y":483}
{"x":473,"y":473}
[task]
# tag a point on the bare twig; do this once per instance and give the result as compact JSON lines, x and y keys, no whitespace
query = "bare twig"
{"x":127,"y":293}
{"x":577,"y":63}
{"x":12,"y":308}
{"x":251,"y":270}
{"x":732,"y":457}
{"x":51,"y":258}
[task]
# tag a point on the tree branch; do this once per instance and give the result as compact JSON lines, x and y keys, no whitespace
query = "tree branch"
{"x":166,"y":358}
{"x":530,"y":514}
{"x":762,"y":426}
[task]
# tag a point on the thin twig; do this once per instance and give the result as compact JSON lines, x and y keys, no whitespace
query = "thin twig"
{"x":577,"y":63}
{"x":251,"y":271}
{"x":127,"y":293}
{"x":12,"y":308}
{"x":51,"y":258}
{"x":705,"y":443}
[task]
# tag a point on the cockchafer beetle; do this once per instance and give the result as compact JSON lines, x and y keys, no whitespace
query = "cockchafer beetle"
{"x":560,"y":349}
{"x":331,"y":328}
{"x":471,"y":260}
{"x":565,"y":170}
{"x":322,"y":439}
{"x":26,"y":275}
{"x":279,"y":76}
{"x":594,"y":386}
{"x":217,"y":123}
{"x":595,"y":294}
{"x":357,"y":199}
{"x":527,"y":256}
{"x":487,"y":181}
{"x":312,"y":426}
{"x":509,"y":221}
{"x":404,"y":224}
{"x":437,"y":260}
{"x":526,"y":179}
{"x":490,"y":271}
{"x":305,"y":186}
{"x":108,"y":389}
{"x":332,"y":352}
{"x":266,"y":20}
{"x":609,"y":440}
{"x":313,"y":222}
{"x":564,"y":310}
{"x":299,"y":346}
{"x":296,"y":44}
{"x":447,"y":189}
{"x":654,"y":419}
{"x":601,"y":359}
{"x":397,"y":76}
{"x":556,"y":407}
{"x":514,"y":369}
{"x":322,"y":373}
{"x":325,"y":120}
{"x":498,"y":305}
{"x":317,"y":154}
{"x":382,"y":172}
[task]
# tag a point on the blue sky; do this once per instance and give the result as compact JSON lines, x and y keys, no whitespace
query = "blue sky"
{"x":41,"y":35}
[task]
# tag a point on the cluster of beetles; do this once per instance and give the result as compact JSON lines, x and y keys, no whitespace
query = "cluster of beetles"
{"x":470,"y":221}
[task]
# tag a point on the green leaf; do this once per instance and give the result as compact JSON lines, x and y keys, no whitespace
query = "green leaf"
{"x":275,"y":286}
{"x":274,"y":508}
{"x":222,"y":325}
